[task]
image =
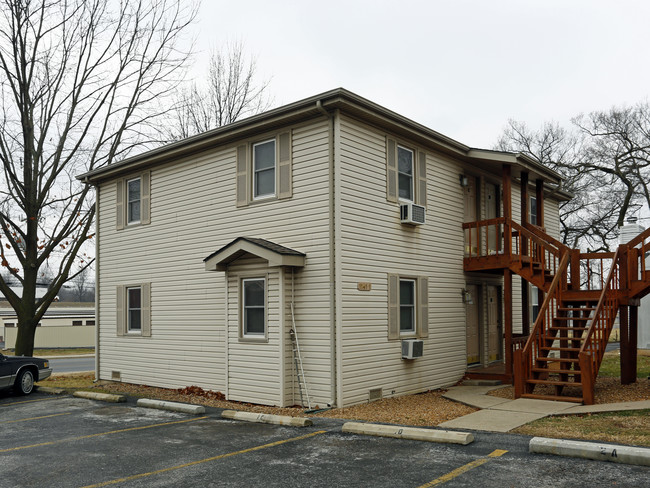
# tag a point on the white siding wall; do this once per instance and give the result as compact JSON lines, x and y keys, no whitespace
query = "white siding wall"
{"x":375,"y":243}
{"x":254,"y":368}
{"x":193,"y":214}
{"x":552,"y":218}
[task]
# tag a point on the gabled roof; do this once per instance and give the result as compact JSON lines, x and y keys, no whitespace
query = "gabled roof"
{"x":275,"y":254}
{"x":321,"y":105}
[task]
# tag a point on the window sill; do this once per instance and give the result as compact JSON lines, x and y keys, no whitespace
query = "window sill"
{"x":254,"y":339}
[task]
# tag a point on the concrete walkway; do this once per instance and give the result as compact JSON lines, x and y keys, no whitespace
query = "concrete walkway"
{"x":502,"y":415}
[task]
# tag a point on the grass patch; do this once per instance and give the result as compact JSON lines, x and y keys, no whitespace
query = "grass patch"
{"x":72,"y":351}
{"x":77,"y":381}
{"x":629,"y":427}
{"x":611,"y":366}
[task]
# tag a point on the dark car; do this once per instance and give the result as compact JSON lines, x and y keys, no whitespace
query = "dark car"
{"x":22,"y":372}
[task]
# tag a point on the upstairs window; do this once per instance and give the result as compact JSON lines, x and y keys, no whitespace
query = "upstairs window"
{"x":264,"y":169}
{"x":133,"y":197}
{"x":405,"y":173}
{"x":532,"y":217}
{"x":133,"y":201}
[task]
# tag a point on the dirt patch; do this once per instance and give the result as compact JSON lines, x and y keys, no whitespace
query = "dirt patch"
{"x":608,"y":390}
{"x":425,"y":409}
{"x":428,"y":408}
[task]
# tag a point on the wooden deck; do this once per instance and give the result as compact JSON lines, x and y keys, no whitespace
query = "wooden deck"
{"x":494,"y":371}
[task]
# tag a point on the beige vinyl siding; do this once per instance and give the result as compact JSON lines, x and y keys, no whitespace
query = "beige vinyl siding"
{"x":552,"y":218}
{"x":194,"y":213}
{"x":254,"y":369}
{"x":375,"y":243}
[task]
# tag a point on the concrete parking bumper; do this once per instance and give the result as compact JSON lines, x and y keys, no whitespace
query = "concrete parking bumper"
{"x":591,"y":450}
{"x":171,"y":406}
{"x":102,"y":397}
{"x":411,"y":433}
{"x":267,"y":418}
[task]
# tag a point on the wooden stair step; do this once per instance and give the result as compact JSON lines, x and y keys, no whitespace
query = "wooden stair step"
{"x":554,"y":382}
{"x":557,"y":398}
{"x":576,"y":309}
{"x":581,"y":319}
{"x":566,"y":349}
{"x":560,"y":327}
{"x":557,"y":371}
{"x":564,"y":360}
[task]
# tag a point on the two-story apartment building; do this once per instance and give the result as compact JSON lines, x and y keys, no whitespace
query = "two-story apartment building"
{"x":332,"y":217}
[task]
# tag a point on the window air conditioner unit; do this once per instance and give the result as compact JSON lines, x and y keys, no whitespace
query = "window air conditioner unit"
{"x":411,"y":213}
{"x":412,"y":348}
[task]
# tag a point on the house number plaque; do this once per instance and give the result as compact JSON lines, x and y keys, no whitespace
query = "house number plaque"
{"x":364,"y":286}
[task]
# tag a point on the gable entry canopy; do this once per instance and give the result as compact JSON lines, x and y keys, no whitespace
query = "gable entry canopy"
{"x":275,"y":254}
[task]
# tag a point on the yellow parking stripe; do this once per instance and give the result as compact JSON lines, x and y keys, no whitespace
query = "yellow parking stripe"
{"x":35,"y":418}
{"x":101,"y":433}
{"x":463,"y":469}
{"x":33,"y":401}
{"x":207,"y":460}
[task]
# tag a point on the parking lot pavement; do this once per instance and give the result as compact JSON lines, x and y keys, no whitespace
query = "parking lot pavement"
{"x":62,"y":441}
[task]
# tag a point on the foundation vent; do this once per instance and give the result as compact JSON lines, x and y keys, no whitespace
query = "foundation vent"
{"x":375,"y":394}
{"x":115,"y":375}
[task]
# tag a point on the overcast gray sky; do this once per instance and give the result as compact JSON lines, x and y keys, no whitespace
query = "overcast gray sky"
{"x":461,"y":67}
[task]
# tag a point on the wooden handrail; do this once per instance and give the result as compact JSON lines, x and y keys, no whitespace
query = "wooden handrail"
{"x":599,"y":308}
{"x":535,"y":229}
{"x":639,"y":239}
{"x":542,"y":240}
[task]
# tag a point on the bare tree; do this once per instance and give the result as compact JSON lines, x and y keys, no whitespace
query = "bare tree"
{"x":619,"y":152}
{"x":81,"y":284}
{"x":563,"y":151}
{"x":604,"y":161}
{"x":233,"y":91}
{"x":81,"y":82}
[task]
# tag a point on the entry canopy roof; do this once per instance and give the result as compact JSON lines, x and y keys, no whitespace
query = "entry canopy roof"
{"x":275,"y":254}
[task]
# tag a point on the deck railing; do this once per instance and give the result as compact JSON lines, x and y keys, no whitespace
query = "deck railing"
{"x":595,"y":340}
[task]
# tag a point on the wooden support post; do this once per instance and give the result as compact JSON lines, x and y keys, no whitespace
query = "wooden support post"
{"x":507,"y":318}
{"x":628,"y":375}
{"x":633,"y":338}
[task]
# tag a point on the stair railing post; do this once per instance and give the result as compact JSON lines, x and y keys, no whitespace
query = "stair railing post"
{"x":586,"y":377}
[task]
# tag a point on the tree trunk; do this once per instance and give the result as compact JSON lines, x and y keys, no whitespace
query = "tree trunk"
{"x":25,"y":337}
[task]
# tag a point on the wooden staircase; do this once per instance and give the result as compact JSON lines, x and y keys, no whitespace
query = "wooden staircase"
{"x":564,"y":351}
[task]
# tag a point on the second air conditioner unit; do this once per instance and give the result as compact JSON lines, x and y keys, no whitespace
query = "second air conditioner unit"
{"x":412,"y":348}
{"x":413,"y":214}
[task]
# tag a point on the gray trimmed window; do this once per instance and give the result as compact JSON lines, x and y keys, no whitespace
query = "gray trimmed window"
{"x":133,"y":201}
{"x":134,"y":310}
{"x":532,"y":214}
{"x":405,"y":173}
{"x":408,"y":306}
{"x":253,"y":307}
{"x":133,"y":193}
{"x":264,"y":169}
